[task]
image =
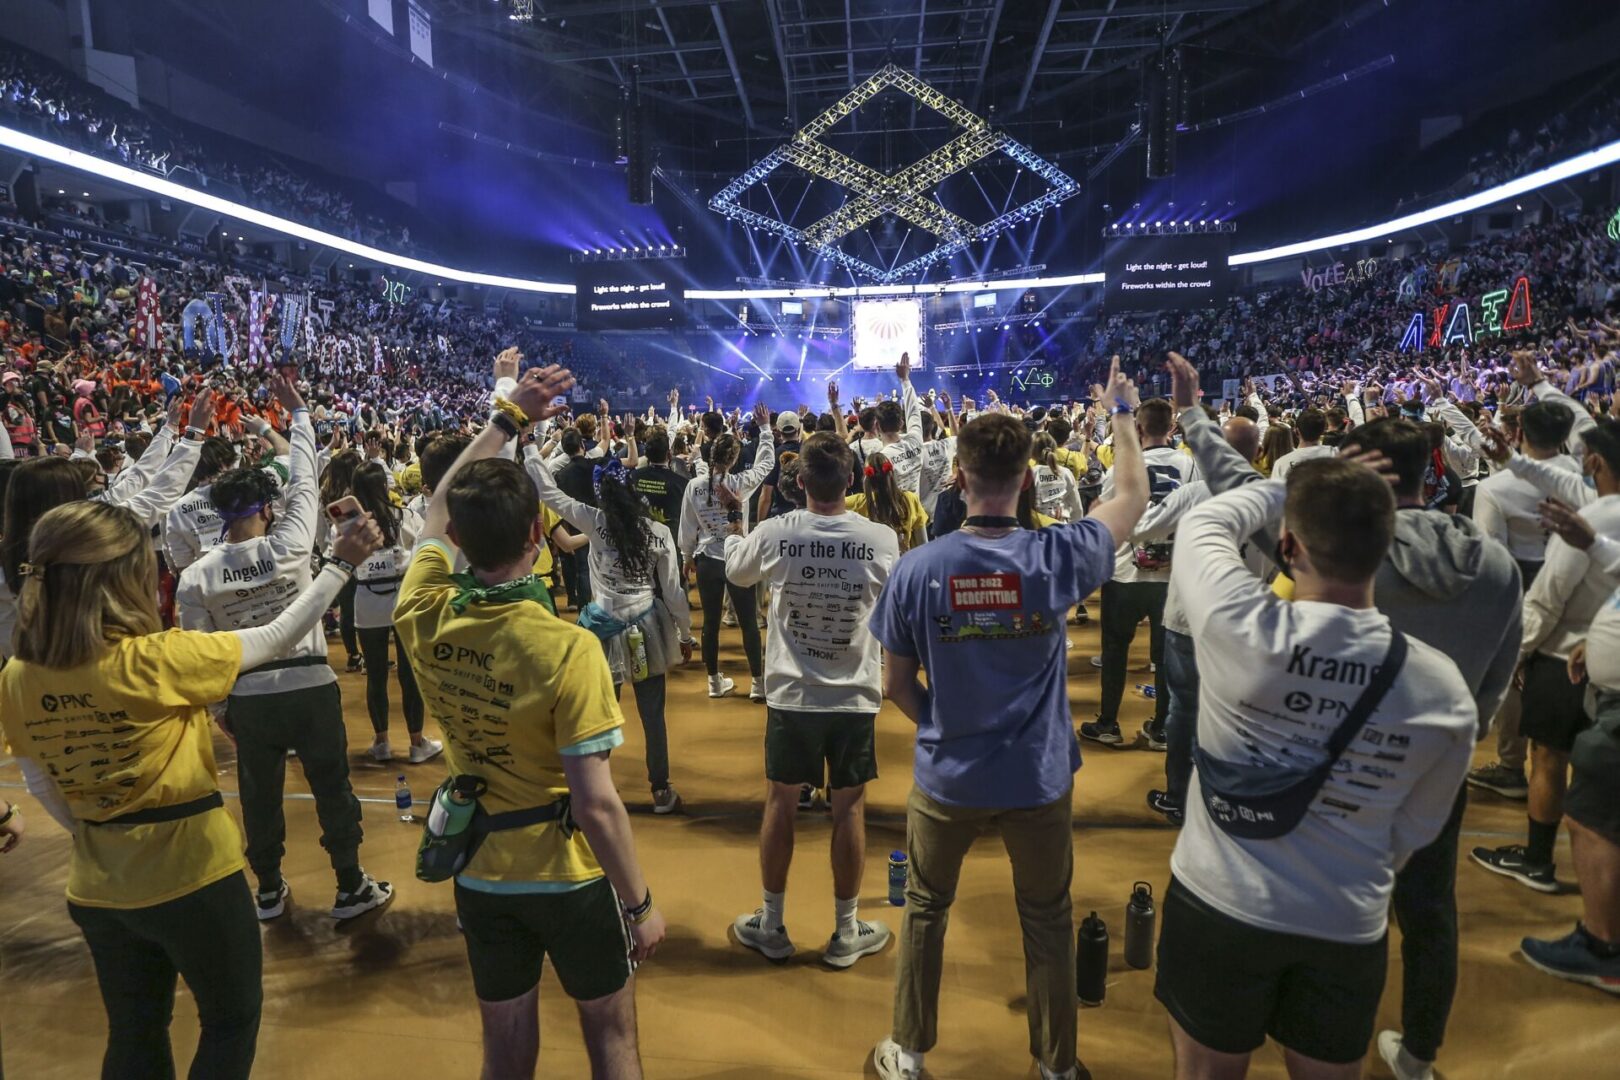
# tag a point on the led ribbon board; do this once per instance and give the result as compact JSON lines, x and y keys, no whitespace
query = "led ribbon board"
{"x":904,"y":194}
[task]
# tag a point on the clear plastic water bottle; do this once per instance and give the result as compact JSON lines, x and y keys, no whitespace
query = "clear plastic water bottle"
{"x":899,"y":869}
{"x":402,"y":800}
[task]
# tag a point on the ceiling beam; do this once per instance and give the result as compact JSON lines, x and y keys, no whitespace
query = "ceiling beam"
{"x":984,"y":59}
{"x":630,"y":52}
{"x":1182,"y":7}
{"x":1035,"y":57}
{"x":780,"y":44}
{"x":731,"y":59}
{"x":680,"y":57}
{"x":1096,"y":34}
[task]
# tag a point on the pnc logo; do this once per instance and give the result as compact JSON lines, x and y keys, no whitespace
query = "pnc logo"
{"x":441,"y":651}
{"x":1298,"y":701}
{"x":48,"y":703}
{"x":53,"y":702}
{"x":808,"y":573}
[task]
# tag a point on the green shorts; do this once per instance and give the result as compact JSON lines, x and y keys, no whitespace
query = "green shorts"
{"x":807,"y":747}
{"x":510,"y":935}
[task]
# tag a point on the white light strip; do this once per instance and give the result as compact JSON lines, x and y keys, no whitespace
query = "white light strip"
{"x":74,"y":159}
{"x":1552,"y":174}
{"x":121,"y":174}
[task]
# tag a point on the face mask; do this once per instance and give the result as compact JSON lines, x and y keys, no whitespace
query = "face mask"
{"x":1591,"y":481}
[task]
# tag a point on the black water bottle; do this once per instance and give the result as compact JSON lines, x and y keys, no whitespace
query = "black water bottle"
{"x":1091,"y":960}
{"x":1139,"y":919}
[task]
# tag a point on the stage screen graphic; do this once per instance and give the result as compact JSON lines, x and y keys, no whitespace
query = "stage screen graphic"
{"x":633,"y":294}
{"x":881,"y":330}
{"x":1166,"y":273}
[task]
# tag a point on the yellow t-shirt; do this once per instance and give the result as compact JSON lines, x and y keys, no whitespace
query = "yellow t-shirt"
{"x":544,"y":559}
{"x":1042,"y":521}
{"x":1073,"y":460}
{"x":129,"y":731}
{"x":511,"y":685}
{"x":916,"y":517}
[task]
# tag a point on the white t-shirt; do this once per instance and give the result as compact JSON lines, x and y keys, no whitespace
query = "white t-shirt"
{"x":1167,"y":469}
{"x":703,"y":518}
{"x":825,"y":572}
{"x":191,"y":530}
{"x":937,"y":457}
{"x":376,"y":580}
{"x":1505,"y":509}
{"x":1286,"y":463}
{"x":1275,"y":680}
{"x":1603,"y":637}
{"x":1057,"y":495}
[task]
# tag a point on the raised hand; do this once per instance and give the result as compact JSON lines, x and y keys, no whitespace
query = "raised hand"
{"x":202,"y":409}
{"x":762,"y":415}
{"x":1496,"y":446}
{"x":506,"y":364}
{"x":286,"y":393}
{"x":538,"y":390}
{"x":903,"y":368}
{"x":1183,"y":382}
{"x":1120,"y":387}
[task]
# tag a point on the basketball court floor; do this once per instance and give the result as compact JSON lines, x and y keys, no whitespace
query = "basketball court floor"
{"x":390,"y":998}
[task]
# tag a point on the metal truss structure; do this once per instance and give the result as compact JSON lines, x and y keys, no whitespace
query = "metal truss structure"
{"x":904,"y":193}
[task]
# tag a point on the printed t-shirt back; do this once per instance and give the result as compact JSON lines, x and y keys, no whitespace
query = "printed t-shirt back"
{"x":985,"y":617}
{"x":130,"y":731}
{"x":511,"y":685}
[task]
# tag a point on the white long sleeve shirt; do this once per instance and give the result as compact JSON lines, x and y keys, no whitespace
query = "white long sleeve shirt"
{"x":1505,"y":509}
{"x":1570,"y":590}
{"x":1275,"y":680}
{"x":1168,"y":469}
{"x":1603,"y":636}
{"x":703,"y":517}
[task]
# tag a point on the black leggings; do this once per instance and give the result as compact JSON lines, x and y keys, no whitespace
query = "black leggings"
{"x":374,"y":646}
{"x":210,"y":938}
{"x":712,"y":589}
{"x":346,"y":619}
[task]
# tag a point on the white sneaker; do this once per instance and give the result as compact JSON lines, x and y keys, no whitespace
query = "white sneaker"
{"x":1096,"y":661}
{"x":886,"y":1057}
{"x":371,"y":895}
{"x":756,"y":690}
{"x":844,"y":949}
{"x":1401,"y":1063}
{"x":380,"y":751}
{"x":729,"y":618}
{"x":1048,"y":1074}
{"x":772,"y":944}
{"x":720,"y":685}
{"x":1068,"y":646}
{"x":430,"y":749}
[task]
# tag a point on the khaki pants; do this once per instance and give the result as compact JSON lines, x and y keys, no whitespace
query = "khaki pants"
{"x":1511,"y":747}
{"x":1040,"y":843}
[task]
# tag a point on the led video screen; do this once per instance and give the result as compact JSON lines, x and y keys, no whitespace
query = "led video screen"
{"x":631,"y":294}
{"x":1166,"y":273}
{"x":883,"y":329}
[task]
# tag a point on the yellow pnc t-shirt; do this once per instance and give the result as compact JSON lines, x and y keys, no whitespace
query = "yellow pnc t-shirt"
{"x":511,"y":685}
{"x":129,"y":731}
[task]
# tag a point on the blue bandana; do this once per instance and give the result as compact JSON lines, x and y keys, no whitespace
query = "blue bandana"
{"x":613,"y":470}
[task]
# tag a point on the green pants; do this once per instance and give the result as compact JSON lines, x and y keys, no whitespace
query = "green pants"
{"x":1040,"y":843}
{"x":310,"y":722}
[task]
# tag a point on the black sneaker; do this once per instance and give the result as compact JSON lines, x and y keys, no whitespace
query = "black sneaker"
{"x":356,"y":664}
{"x":1511,"y":861}
{"x":807,"y":796}
{"x":1497,"y":777}
{"x":1160,"y":802}
{"x":370,"y":896}
{"x":1107,"y":733}
{"x":1148,"y":739}
{"x":270,"y":903}
{"x":1081,"y":615}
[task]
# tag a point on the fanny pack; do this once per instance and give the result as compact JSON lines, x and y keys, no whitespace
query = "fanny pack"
{"x":158,"y":814}
{"x":1265,"y":802}
{"x":441,"y":857}
{"x":284,"y":665}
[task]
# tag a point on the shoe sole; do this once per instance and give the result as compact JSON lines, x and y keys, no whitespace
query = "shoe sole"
{"x":774,"y":955}
{"x":424,"y":760}
{"x":267,"y":914}
{"x":1597,"y":982}
{"x":1117,"y":742}
{"x":1516,"y":794}
{"x":1527,"y":882}
{"x":847,"y":960}
{"x":661,"y":811}
{"x":721,"y":694}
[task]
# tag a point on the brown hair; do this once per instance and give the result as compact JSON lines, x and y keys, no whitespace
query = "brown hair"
{"x":1344,"y":514}
{"x":885,"y":502}
{"x":1155,"y":417}
{"x":91,"y":581}
{"x":825,"y":462}
{"x":492,"y":509}
{"x":37,"y":485}
{"x":994,"y":449}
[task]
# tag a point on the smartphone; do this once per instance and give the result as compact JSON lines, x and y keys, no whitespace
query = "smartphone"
{"x":344,"y":512}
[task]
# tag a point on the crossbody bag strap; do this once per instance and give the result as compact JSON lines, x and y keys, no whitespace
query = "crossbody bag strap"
{"x":1371,"y":696}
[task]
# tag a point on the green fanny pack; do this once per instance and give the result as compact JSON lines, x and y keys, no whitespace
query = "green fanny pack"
{"x":457,"y":826}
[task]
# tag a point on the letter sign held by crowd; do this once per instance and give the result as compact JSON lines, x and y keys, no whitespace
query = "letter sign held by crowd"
{"x":1452,"y":323}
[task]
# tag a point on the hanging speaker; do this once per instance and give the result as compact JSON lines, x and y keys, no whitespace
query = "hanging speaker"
{"x":1165,"y":90}
{"x":640,"y":163}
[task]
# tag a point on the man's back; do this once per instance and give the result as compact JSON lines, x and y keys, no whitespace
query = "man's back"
{"x":662,"y":487}
{"x":512,"y":686}
{"x":985,"y":617}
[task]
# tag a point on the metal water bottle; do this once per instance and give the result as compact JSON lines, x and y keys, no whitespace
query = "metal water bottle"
{"x":899,"y":868}
{"x":1091,"y":960}
{"x":1139,"y":919}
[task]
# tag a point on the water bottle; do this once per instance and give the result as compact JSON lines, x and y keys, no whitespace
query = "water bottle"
{"x":636,"y":644}
{"x":898,"y":869}
{"x":1139,"y":919}
{"x":402,"y":800}
{"x":1091,"y":960}
{"x":1147,"y":689}
{"x":453,"y":807}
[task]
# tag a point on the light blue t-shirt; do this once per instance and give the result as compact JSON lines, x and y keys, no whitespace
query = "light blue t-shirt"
{"x":985,"y":617}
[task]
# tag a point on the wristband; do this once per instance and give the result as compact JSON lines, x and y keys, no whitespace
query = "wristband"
{"x":641,"y":912}
{"x":505,"y":405}
{"x":503,"y":420}
{"x":196,"y":434}
{"x":1122,"y":409}
{"x":11,"y":812}
{"x":733,"y":517}
{"x":342,"y":564}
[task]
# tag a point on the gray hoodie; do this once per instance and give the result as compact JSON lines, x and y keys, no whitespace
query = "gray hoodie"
{"x":1444,"y":582}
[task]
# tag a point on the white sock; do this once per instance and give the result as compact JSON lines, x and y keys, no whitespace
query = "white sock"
{"x":846,"y":910}
{"x":773,"y":910}
{"x":1408,"y":1064}
{"x":911,"y":1061}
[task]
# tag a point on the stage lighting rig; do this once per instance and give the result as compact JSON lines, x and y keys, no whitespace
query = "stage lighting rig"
{"x":1181,"y":227}
{"x":628,"y":254}
{"x":906,"y":194}
{"x":522,"y":11}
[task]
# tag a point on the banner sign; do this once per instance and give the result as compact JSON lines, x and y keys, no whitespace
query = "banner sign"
{"x":1454,"y":322}
{"x":1340,"y":273}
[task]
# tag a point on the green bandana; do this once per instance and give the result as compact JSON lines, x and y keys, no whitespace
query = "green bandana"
{"x":469,"y":591}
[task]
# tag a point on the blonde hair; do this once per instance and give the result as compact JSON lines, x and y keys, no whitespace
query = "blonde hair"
{"x":91,"y":580}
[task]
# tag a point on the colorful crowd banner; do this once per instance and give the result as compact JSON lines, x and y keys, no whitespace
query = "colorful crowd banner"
{"x":1454,"y":323}
{"x":1340,"y":273}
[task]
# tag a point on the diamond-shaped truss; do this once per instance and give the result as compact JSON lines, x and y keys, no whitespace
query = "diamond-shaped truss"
{"x":904,"y":194}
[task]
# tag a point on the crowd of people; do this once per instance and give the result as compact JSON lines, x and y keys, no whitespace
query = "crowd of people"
{"x":37,"y":92}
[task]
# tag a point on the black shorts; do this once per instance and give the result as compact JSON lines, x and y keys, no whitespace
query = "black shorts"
{"x":1554,"y":708}
{"x":808,"y":747}
{"x":1594,"y":787}
{"x":1229,"y":985}
{"x":510,"y":935}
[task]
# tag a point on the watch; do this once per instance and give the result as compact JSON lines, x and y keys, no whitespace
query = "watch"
{"x":342,"y":564}
{"x":734,"y":517}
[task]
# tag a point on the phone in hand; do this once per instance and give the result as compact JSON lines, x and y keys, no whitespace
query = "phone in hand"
{"x":344,"y":512}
